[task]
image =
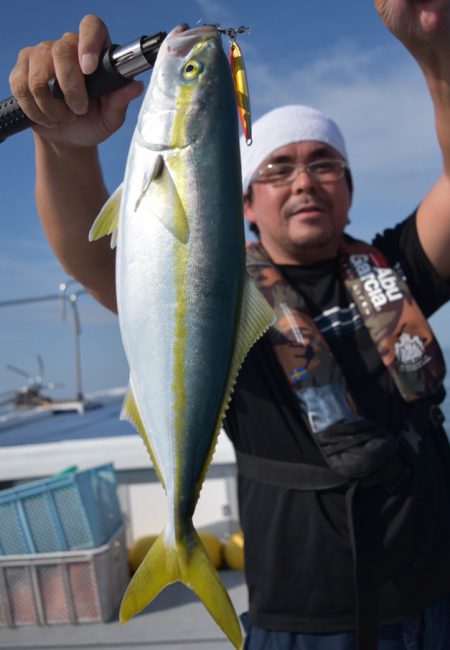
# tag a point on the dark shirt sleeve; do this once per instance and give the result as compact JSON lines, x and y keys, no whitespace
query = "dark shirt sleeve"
{"x":401,"y":246}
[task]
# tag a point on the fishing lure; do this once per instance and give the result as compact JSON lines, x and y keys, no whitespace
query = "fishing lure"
{"x":239,"y":76}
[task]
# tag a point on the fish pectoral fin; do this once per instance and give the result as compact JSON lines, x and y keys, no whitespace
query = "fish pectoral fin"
{"x":130,"y":413}
{"x":156,"y":172}
{"x":107,"y":221}
{"x":186,"y":561}
{"x":161,"y":198}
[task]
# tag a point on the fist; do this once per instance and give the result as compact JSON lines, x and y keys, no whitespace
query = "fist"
{"x":76,"y":120}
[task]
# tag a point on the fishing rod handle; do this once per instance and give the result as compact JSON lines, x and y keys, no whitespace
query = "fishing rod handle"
{"x":12,"y":118}
{"x":117,"y":66}
{"x":104,"y":80}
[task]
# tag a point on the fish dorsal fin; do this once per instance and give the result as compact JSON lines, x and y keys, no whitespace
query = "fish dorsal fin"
{"x":256,"y":317}
{"x":130,"y":413}
{"x":161,"y":196}
{"x":108,"y":219}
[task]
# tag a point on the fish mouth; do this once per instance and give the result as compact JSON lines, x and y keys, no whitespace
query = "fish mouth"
{"x":182,"y":38}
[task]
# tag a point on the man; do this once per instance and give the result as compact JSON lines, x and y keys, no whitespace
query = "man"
{"x":344,"y":467}
{"x":303,"y":569}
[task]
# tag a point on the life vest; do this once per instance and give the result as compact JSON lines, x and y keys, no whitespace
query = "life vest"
{"x":352,"y":445}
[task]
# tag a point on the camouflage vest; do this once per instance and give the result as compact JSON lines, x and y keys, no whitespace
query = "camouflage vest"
{"x":352,"y":445}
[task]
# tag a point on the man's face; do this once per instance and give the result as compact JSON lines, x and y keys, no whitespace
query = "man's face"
{"x":301,"y":221}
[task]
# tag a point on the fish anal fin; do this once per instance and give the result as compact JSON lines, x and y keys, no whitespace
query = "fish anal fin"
{"x":108,"y":219}
{"x":186,"y":561}
{"x":130,"y":413}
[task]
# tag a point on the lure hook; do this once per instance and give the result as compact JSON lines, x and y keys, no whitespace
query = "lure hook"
{"x":232,"y":32}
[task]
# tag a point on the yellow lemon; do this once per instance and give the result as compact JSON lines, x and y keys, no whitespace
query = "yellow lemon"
{"x":213,"y":547}
{"x":138,"y":550}
{"x":234,"y":551}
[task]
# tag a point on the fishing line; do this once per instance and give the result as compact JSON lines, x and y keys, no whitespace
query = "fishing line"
{"x":277,"y":16}
{"x":238,"y":67}
{"x":288,"y":13}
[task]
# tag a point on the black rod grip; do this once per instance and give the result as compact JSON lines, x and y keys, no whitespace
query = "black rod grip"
{"x":12,"y":118}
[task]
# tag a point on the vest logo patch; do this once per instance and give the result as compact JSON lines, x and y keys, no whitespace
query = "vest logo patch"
{"x":410,"y":352}
{"x":376,"y":286}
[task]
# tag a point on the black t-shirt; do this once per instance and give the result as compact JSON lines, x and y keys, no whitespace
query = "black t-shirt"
{"x":298,"y":559}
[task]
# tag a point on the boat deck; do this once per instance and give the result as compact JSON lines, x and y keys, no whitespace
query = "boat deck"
{"x":176,"y":620}
{"x":40,"y":443}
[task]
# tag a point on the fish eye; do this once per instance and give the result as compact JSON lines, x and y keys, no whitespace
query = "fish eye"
{"x":191,"y":69}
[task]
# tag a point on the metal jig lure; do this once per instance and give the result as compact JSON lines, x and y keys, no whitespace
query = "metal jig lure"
{"x":239,"y":76}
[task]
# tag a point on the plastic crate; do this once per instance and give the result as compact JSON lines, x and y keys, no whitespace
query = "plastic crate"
{"x":78,"y":510}
{"x":61,"y":588}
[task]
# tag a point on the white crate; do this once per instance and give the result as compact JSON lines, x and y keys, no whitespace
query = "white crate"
{"x":66,"y":587}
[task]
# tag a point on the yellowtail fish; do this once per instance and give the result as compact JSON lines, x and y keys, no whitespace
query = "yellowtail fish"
{"x":188,"y":312}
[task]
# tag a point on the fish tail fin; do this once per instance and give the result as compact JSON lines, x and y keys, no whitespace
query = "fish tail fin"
{"x":186,"y":561}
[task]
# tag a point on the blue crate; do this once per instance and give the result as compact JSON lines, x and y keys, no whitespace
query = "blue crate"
{"x":67,"y":512}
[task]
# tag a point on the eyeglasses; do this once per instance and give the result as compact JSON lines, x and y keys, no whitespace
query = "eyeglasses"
{"x":319,"y":171}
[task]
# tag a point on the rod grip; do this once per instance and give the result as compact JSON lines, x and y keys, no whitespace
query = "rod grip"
{"x":12,"y":118}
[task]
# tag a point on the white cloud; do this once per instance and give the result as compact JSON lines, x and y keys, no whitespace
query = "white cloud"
{"x":214,"y":11}
{"x":378,"y":98}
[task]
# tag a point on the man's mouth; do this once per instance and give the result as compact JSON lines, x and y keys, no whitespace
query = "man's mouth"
{"x":309,"y":209}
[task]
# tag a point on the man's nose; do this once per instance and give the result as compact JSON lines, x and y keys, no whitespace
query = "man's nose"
{"x":302,"y":180}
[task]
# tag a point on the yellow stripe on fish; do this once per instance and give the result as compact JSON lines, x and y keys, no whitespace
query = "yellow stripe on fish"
{"x":180,"y":252}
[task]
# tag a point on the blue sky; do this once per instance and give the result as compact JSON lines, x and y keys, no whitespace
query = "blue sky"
{"x":335,"y":56}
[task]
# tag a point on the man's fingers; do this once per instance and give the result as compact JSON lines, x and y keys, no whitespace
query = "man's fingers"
{"x":19,"y":83}
{"x":68,"y":73}
{"x":93,"y":39}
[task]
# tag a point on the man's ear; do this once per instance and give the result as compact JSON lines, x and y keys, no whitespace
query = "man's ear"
{"x":249,"y":212}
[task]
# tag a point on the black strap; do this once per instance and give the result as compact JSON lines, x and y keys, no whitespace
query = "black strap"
{"x":292,"y":476}
{"x":364,"y":579}
{"x":302,"y":476}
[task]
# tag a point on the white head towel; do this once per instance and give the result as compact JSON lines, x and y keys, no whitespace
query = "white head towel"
{"x":283,"y":126}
